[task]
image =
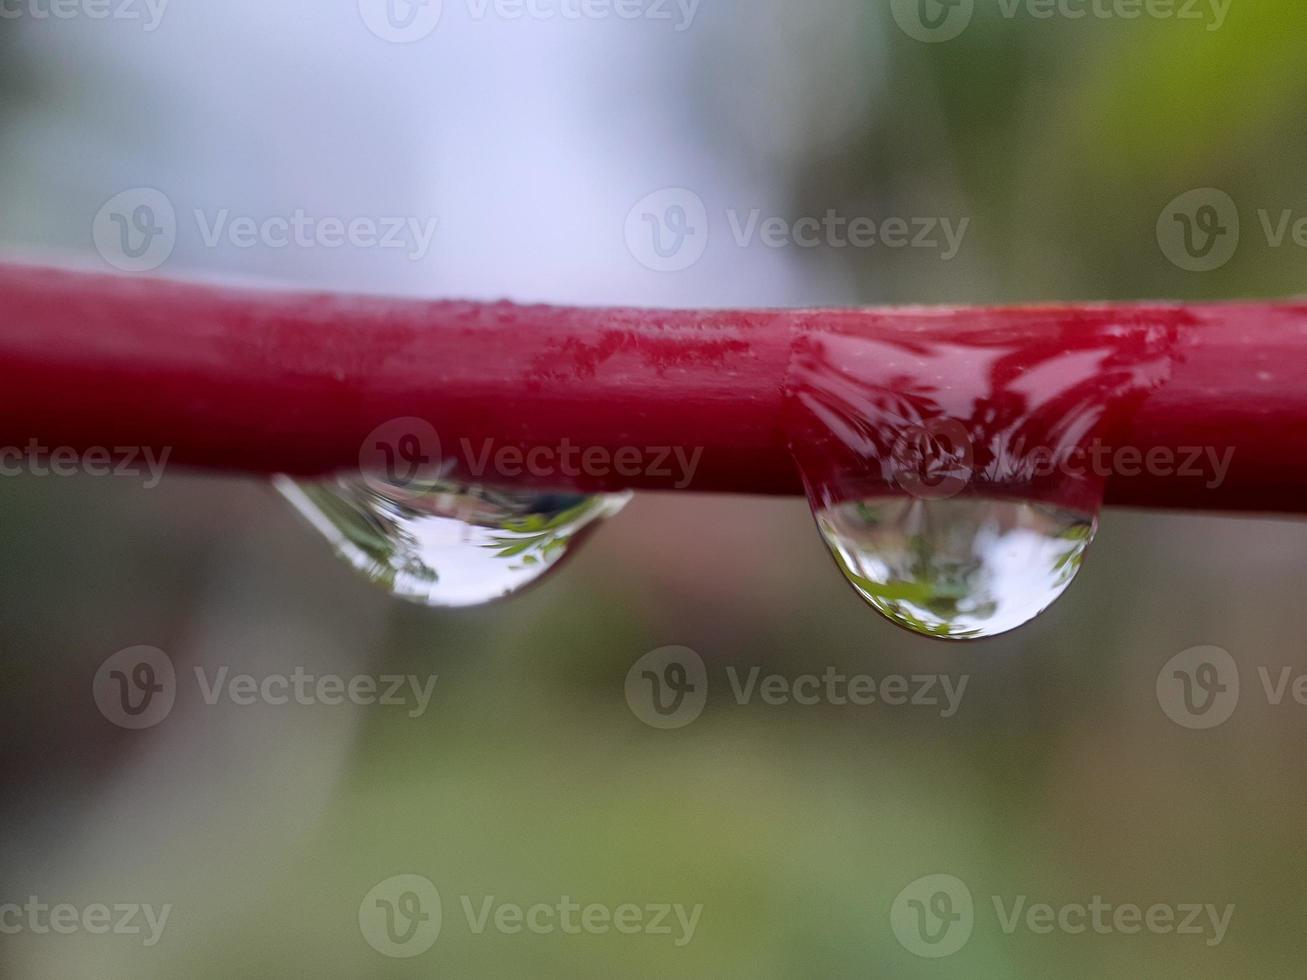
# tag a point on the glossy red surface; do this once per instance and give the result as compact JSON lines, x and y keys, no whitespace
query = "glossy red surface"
{"x":1030,"y":404}
{"x":262,"y":381}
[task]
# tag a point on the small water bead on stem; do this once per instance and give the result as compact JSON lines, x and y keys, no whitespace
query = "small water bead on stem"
{"x":931,"y":455}
{"x":446,"y":544}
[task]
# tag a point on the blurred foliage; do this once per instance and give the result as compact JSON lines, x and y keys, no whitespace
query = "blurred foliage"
{"x":1063,"y":140}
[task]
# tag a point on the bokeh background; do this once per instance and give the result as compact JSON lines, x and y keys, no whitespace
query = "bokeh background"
{"x":1062,"y":140}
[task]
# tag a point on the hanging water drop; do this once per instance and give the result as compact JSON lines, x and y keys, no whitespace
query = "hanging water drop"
{"x":964,"y":568}
{"x":952,"y":463}
{"x":443,"y":543}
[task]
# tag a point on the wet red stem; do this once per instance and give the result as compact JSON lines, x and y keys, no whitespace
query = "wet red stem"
{"x":262,"y":381}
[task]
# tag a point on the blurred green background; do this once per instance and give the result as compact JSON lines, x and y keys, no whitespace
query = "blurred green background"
{"x":530,"y":778}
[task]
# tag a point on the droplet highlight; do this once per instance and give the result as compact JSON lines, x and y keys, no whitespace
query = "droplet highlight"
{"x":445,"y":544}
{"x":966,"y":568}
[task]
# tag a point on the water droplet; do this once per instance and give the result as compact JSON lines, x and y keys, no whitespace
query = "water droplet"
{"x":955,"y":462}
{"x":964,"y":568}
{"x":446,"y":544}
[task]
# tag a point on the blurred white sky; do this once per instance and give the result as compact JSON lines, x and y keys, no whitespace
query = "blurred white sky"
{"x":528,"y":139}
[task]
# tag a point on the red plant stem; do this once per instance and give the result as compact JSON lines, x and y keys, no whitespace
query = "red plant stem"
{"x":262,"y":381}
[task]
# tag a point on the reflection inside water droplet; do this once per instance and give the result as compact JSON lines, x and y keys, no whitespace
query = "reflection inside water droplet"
{"x":445,"y":544}
{"x":964,"y":568}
